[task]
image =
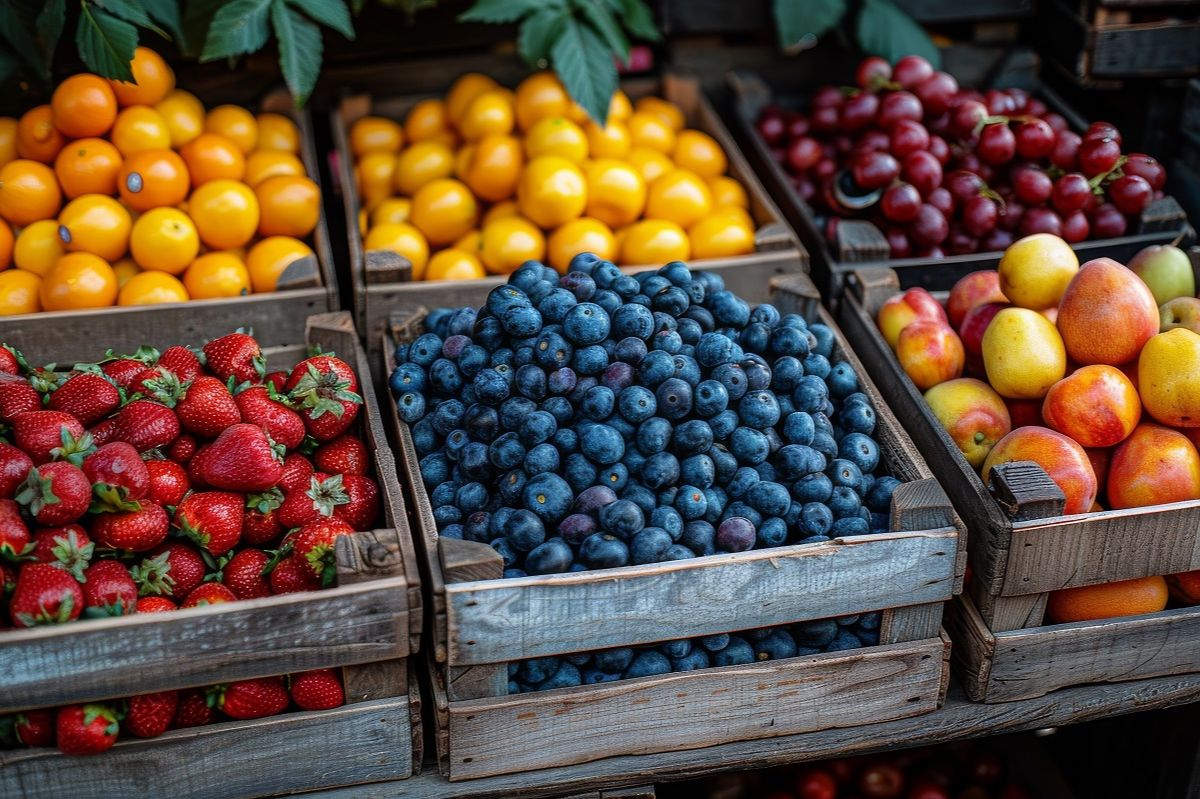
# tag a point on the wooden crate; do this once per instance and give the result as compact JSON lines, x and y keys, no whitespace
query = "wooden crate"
{"x":1141,"y":39}
{"x":373,"y":614}
{"x":481,"y":622}
{"x":1022,"y":547}
{"x":382,"y":281}
{"x":860,"y":244}
{"x":306,"y":287}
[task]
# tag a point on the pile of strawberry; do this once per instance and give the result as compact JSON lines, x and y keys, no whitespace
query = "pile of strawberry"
{"x":150,"y":482}
{"x":94,"y":727}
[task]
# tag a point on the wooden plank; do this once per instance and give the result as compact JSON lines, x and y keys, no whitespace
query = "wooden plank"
{"x":231,"y":760}
{"x":1002,"y":613}
{"x":974,"y":646}
{"x":1024,"y":491}
{"x":693,"y":710}
{"x":912,"y":623}
{"x":637,"y":792}
{"x":476,"y":682}
{"x":498,"y":621}
{"x":379,"y":680}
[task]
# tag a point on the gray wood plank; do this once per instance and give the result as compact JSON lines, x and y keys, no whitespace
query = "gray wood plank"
{"x":912,"y":623}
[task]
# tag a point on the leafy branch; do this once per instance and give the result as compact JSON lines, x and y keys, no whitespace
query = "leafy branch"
{"x":880,"y":27}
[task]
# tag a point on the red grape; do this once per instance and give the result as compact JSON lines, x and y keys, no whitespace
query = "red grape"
{"x":797,"y":125}
{"x":1010,"y":216}
{"x":827,"y":97}
{"x":1071,"y":193}
{"x":960,"y":242}
{"x":1075,"y":227}
{"x":939,"y":149}
{"x":963,"y":184}
{"x":874,"y":140}
{"x":942,"y":200}
{"x":831,"y":228}
{"x":873,"y":170}
{"x":968,"y":114}
{"x":1020,"y":100}
{"x":898,"y":242}
{"x":997,"y":239}
{"x":873,"y":71}
{"x":936,"y":92}
{"x":1032,"y":186}
{"x":1040,"y":220}
{"x":1057,"y":121}
{"x":858,"y":112}
{"x":803,"y":154}
{"x":999,"y":102}
{"x":979,"y":216}
{"x":1131,"y":194}
{"x":1035,"y":108}
{"x":1102,"y":130}
{"x":1097,"y":156}
{"x":1145,"y":166}
{"x":897,"y":106}
{"x":997,"y":144}
{"x":770,"y":125}
{"x":825,"y":169}
{"x":934,"y":253}
{"x":824,"y":120}
{"x":805,"y":188}
{"x":923,"y":171}
{"x":929,"y":229}
{"x":909,"y":136}
{"x":900,"y":203}
{"x":1107,"y":222}
{"x":842,"y":144}
{"x":911,"y":71}
{"x":1066,"y":150}
{"x":1035,"y":139}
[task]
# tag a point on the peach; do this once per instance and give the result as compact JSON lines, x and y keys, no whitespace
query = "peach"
{"x":1154,"y":466}
{"x":971,"y":332}
{"x":1023,"y":354}
{"x":930,"y":353}
{"x":1169,"y":377}
{"x":1107,"y":314}
{"x":972,"y":291}
{"x":1024,"y":412}
{"x":1095,"y":405}
{"x":973,"y":415}
{"x":1100,"y":459}
{"x":1062,"y":459}
{"x":902,"y":310}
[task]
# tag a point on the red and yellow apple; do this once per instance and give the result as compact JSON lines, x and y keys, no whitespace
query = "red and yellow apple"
{"x":1154,"y":466}
{"x":1063,"y":460}
{"x":973,"y":415}
{"x":1095,"y":405}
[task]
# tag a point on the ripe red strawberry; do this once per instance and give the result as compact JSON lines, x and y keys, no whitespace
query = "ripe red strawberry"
{"x":15,"y":540}
{"x":172,"y":570}
{"x":251,"y":699}
{"x":45,"y":594}
{"x":14,"y":468}
{"x":40,"y":433}
{"x":181,"y":362}
{"x":150,"y":715}
{"x":297,"y":470}
{"x":12,"y":362}
{"x":118,"y":475}
{"x":276,"y":380}
{"x":105,"y":432}
{"x":207,"y":408}
{"x":17,"y":396}
{"x":262,"y":405}
{"x":168,"y":482}
{"x":291,"y":575}
{"x":87,"y":396}
{"x":146,"y":424}
{"x":68,"y":547}
{"x":35,"y":727}
{"x":323,"y":388}
{"x":132,"y":530}
{"x":193,"y":710}
{"x":243,"y":458}
{"x":261,"y":525}
{"x":86,"y":729}
{"x":342,"y":455}
{"x":55,"y":493}
{"x":160,"y":385}
{"x":323,"y":495}
{"x":319,"y":689}
{"x":236,"y":355}
{"x":155,"y":604}
{"x":314,"y":545}
{"x":108,"y":590}
{"x":213,"y":519}
{"x":183,"y":448}
{"x":363,"y":508}
{"x":208,"y":594}
{"x":243,"y":574}
{"x":124,"y":369}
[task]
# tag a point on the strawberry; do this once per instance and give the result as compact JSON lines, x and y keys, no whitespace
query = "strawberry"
{"x":87,"y":396}
{"x":291,"y":575}
{"x":275,"y":380}
{"x":35,"y":727}
{"x":172,"y":570}
{"x":67,"y":547}
{"x":118,"y":475}
{"x":40,"y":433}
{"x":15,"y":540}
{"x":314,"y":545}
{"x":236,"y":355}
{"x":146,"y":424}
{"x":17,"y":397}
{"x":55,"y":493}
{"x":208,"y":594}
{"x":132,"y":530}
{"x":194,"y":474}
{"x":124,"y":369}
{"x":323,"y":389}
{"x":150,"y":715}
{"x":207,"y":408}
{"x":363,"y":505}
{"x":243,"y":458}
{"x":45,"y":594}
{"x":14,"y":468}
{"x":342,"y":455}
{"x":11,"y":361}
{"x":168,"y":482}
{"x":108,"y":590}
{"x":322,"y":496}
{"x":157,"y":384}
{"x":297,"y":470}
{"x":319,"y":689}
{"x":183,"y":448}
{"x":213,"y":519}
{"x":86,"y":729}
{"x":105,"y":432}
{"x":155,"y":604}
{"x":181,"y":362}
{"x":261,"y":525}
{"x":193,"y":709}
{"x":251,"y":699}
{"x":243,"y":574}
{"x":263,"y":406}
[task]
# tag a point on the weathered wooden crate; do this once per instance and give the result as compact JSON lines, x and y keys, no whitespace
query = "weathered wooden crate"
{"x":306,"y":287}
{"x":1118,"y":39}
{"x":374,"y":613}
{"x":481,"y":622}
{"x":382,"y":281}
{"x":1022,"y":548}
{"x":860,"y":244}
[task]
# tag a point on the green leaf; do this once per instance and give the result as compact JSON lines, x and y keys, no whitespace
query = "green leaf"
{"x":166,"y":13}
{"x":499,"y":12}
{"x":330,"y":13}
{"x":538,"y":32}
{"x":602,"y":20}
{"x":14,"y":30}
{"x":237,"y":27}
{"x":585,"y":66}
{"x":884,"y":30}
{"x":50,"y":23}
{"x":105,"y":43}
{"x":638,"y":20}
{"x":300,"y":49}
{"x":798,"y":19}
{"x":197,"y":19}
{"x":130,"y":11}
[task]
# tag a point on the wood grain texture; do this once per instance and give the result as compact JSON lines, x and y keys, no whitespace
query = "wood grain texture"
{"x":912,"y":623}
{"x":1002,"y":613}
{"x":974,"y":646}
{"x":379,"y":680}
{"x":1024,"y":491}
{"x":694,"y":710}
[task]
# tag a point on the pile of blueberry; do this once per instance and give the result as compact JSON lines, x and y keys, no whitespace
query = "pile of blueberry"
{"x":598,"y":419}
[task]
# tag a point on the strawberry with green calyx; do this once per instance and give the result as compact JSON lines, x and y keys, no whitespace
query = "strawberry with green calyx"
{"x":45,"y":594}
{"x":323,"y":495}
{"x":236,"y":355}
{"x":345,"y":454}
{"x":155,"y":604}
{"x":146,"y":424}
{"x":261,"y":525}
{"x":55,"y":493}
{"x":270,"y":410}
{"x":180,"y":361}
{"x":159,"y":384}
{"x":40,"y":433}
{"x":172,"y":570}
{"x":194,"y":709}
{"x":212,"y":519}
{"x":14,"y":468}
{"x":275,"y":380}
{"x":243,"y":458}
{"x":208,"y":594}
{"x":362,"y":505}
{"x":124,"y":369}
{"x":206,"y":408}
{"x":87,"y":396}
{"x":150,"y":715}
{"x":119,"y":477}
{"x":250,"y":699}
{"x":69,"y":547}
{"x":168,"y":482}
{"x":74,"y":450}
{"x":45,"y":381}
{"x":323,"y":388}
{"x":319,"y":689}
{"x":292,"y":574}
{"x":35,"y":727}
{"x":315,"y":546}
{"x":133,"y":530}
{"x":108,"y":590}
{"x":12,"y":362}
{"x":15,"y":541}
{"x":17,"y":397}
{"x":86,"y":729}
{"x":245,"y":574}
{"x":297,"y":470}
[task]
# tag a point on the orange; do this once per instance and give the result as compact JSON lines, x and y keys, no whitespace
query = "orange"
{"x":95,"y":223}
{"x":490,"y":113}
{"x":402,"y":238}
{"x":362,"y":221}
{"x":670,"y":114}
{"x":509,"y":242}
{"x":462,"y":158}
{"x":651,"y":163}
{"x":719,"y":236}
{"x":556,"y":136}
{"x":38,"y":247}
{"x":648,"y":130}
{"x":616,"y":192}
{"x":19,"y":292}
{"x":733,"y":214}
{"x":84,"y":105}
{"x":164,"y":240}
{"x":552,"y":191}
{"x":28,"y":192}
{"x":391,"y":211}
{"x":140,"y":128}
{"x":78,"y":280}
{"x":8,"y":140}
{"x":443,"y":210}
{"x":610,"y":141}
{"x":699,"y":152}
{"x":727,"y":192}
{"x":225,"y":212}
{"x":452,"y":264}
{"x":446,"y":137}
{"x":471,"y":241}
{"x":184,"y":114}
{"x":263,"y":164}
{"x":679,"y":196}
{"x":270,"y":258}
{"x":539,"y":96}
{"x":152,"y":288}
{"x":465,"y":89}
{"x":375,"y":135}
{"x":288,"y":206}
{"x":152,"y":80}
{"x":153,"y":178}
{"x":421,"y":163}
{"x":277,"y":133}
{"x":580,"y":235}
{"x":211,"y":156}
{"x":6,"y":245}
{"x":124,"y":269}
{"x":1185,"y":587}
{"x":500,"y":210}
{"x":1107,"y":600}
{"x":37,"y":138}
{"x":619,"y":108}
{"x":374,"y":175}
{"x":494,"y":167}
{"x":217,"y":274}
{"x":234,"y":123}
{"x":425,"y":120}
{"x":654,"y":241}
{"x":88,"y":166}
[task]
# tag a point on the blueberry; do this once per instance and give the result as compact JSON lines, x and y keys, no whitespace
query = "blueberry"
{"x":844,"y":640}
{"x":630,"y":350}
{"x":561,"y":381}
{"x":622,"y":518}
{"x":547,"y":495}
{"x":736,"y":534}
{"x":810,"y":394}
{"x":456,"y":441}
{"x":768,"y":498}
{"x":714,"y":349}
{"x":850,"y":525}
{"x":633,"y":320}
{"x":554,"y":306}
{"x":660,"y":470}
{"x":507,"y":554}
{"x":674,"y":398}
{"x":857,"y":417}
{"x":598,"y":403}
{"x":723,"y":425}
{"x":861,"y":450}
{"x":690,"y":331}
{"x":653,"y":435}
{"x":724,"y":463}
{"x":512,"y":483}
{"x":773,"y":532}
{"x":678,"y":552}
{"x":845,"y":473}
{"x":537,"y":428}
{"x":618,"y":376}
{"x":603,"y":551}
{"x":676,"y":649}
{"x":647,"y":663}
{"x":749,"y":446}
{"x":824,"y":444}
{"x":552,"y":351}
{"x":758,"y":409}
{"x":818,"y":632}
{"x":691,"y":502}
{"x":698,"y":470}
{"x":541,"y":458}
{"x":506,"y":452}
{"x":879,"y":498}
{"x":789,"y":341}
{"x":700,"y":537}
{"x":481,"y":422}
{"x":733,"y":378}
{"x":825,"y":339}
{"x":601,"y":444}
{"x":815,"y":519}
{"x":435,"y":468}
{"x":407,"y":377}
{"x":471,"y":497}
{"x":613,"y":661}
{"x":595,"y":677}
{"x":637,"y":404}
{"x":490,"y":386}
{"x":656,"y":367}
{"x":754,"y":337}
{"x":444,"y":494}
{"x":576,"y":527}
{"x":870,"y":621}
{"x":524,"y":531}
{"x":696,"y":659}
{"x":593,"y":499}
{"x":552,"y":557}
{"x":673,"y":301}
{"x":736,"y":653}
{"x":425,"y":438}
{"x":410,"y":406}
{"x":686,"y":369}
{"x":776,"y":645}
{"x":650,"y":545}
{"x":560,"y":408}
{"x":692,"y":437}
{"x":669,"y":520}
{"x":590,"y":360}
{"x":586,"y":323}
{"x":425,"y":349}
{"x":844,"y":502}
{"x":817,"y":366}
{"x":447,"y":416}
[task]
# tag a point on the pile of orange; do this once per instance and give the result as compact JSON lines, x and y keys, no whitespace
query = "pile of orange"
{"x":131,"y":193}
{"x":486,"y":178}
{"x":1123,"y":598}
